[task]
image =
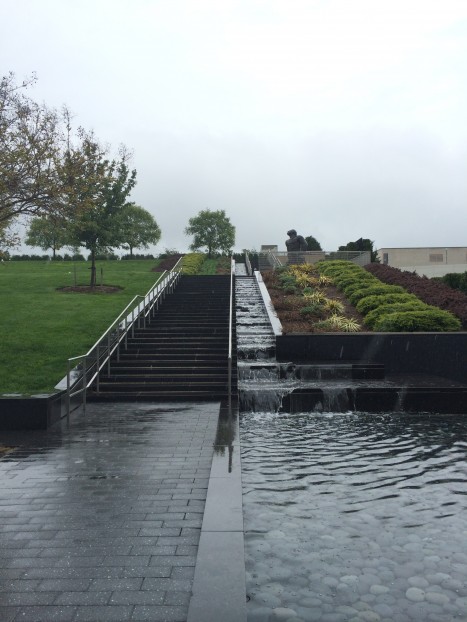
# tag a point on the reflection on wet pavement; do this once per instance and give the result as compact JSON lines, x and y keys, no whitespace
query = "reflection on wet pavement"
{"x":101,"y":521}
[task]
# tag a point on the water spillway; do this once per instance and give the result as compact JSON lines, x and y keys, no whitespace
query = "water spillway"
{"x":355,"y":517}
{"x":308,"y":383}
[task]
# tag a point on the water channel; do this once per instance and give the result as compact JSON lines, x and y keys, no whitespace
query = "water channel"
{"x":349,"y":516}
{"x":355,"y":517}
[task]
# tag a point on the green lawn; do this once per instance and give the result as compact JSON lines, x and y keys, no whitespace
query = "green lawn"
{"x":43,"y":327}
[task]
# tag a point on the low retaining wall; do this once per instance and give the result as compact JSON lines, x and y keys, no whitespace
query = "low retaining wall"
{"x":36,"y":412}
{"x":436,"y":354}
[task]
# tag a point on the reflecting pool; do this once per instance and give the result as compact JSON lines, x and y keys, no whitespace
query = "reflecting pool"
{"x":355,"y":517}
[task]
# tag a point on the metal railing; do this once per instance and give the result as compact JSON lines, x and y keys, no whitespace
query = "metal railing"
{"x":229,"y":360}
{"x":276,"y":259}
{"x":84,"y":370}
{"x":248,"y":264}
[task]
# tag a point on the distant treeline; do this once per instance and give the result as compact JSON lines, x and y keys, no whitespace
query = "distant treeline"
{"x":67,"y":257}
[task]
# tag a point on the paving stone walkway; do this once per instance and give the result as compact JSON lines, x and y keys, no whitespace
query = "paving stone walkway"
{"x":101,"y":521}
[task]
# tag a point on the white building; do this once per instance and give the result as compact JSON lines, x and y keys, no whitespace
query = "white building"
{"x":427,"y":261}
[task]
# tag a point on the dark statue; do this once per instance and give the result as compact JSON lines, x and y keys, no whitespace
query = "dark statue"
{"x":295,"y":244}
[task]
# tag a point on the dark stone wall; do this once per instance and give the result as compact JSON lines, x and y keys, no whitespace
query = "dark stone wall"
{"x":31,"y":413}
{"x":437,"y":354}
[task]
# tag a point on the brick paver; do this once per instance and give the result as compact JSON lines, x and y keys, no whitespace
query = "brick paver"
{"x":101,"y":521}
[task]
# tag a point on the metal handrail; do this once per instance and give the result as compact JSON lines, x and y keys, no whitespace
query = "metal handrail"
{"x":282,"y":258}
{"x":117,"y":333}
{"x":229,"y":356}
{"x":274,"y":260}
{"x":248,"y":264}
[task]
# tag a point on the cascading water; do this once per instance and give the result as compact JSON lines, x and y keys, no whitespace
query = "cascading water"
{"x":262,"y":381}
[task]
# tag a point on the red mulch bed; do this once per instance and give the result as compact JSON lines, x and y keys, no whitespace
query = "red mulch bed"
{"x":288,"y":307}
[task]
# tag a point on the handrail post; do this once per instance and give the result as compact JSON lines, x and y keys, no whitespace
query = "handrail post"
{"x":108,"y":353}
{"x":68,"y":395}
{"x":229,"y":357}
{"x":97,"y":366}
{"x":85,"y":384}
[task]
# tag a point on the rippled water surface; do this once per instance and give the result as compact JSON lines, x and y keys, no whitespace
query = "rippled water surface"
{"x":355,"y":517}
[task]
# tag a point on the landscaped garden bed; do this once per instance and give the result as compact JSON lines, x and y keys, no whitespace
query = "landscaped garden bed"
{"x":339,"y":296}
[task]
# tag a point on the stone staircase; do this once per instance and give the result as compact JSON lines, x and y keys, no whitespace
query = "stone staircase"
{"x":182,"y":354}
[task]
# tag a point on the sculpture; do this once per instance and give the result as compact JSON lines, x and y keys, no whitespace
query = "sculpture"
{"x":295,"y":244}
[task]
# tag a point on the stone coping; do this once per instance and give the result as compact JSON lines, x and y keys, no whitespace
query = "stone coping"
{"x":219,"y":591}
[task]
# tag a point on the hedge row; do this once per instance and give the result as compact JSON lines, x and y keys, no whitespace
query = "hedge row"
{"x":387,"y":308}
{"x":431,"y":291}
{"x":67,"y":257}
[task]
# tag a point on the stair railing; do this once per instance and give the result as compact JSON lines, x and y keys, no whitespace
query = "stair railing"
{"x":84,"y":370}
{"x":273,"y":260}
{"x":229,"y":360}
{"x":248,"y":264}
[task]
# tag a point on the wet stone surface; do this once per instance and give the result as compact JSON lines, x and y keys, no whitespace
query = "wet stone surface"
{"x":101,"y":521}
{"x":355,"y":517}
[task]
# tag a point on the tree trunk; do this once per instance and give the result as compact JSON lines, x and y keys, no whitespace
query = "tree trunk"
{"x":93,"y":267}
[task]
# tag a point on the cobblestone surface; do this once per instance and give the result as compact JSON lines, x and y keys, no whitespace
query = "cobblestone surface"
{"x":101,"y":521}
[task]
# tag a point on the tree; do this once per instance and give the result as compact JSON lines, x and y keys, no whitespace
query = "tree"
{"x":313,"y":244}
{"x":29,"y":147}
{"x":362,"y":244}
{"x":8,"y":239}
{"x":212,"y":230}
{"x":138,"y":227}
{"x":98,"y":189}
{"x":47,"y":232}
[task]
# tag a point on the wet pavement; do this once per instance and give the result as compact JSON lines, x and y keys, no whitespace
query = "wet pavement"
{"x":101,"y":520}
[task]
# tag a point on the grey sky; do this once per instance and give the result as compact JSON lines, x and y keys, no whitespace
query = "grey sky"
{"x":339,"y":118}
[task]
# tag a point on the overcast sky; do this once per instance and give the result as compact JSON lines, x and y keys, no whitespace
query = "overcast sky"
{"x":339,"y":118}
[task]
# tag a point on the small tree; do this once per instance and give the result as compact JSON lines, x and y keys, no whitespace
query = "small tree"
{"x":313,"y":244}
{"x":138,"y":227}
{"x":213,"y":231}
{"x":98,"y":189}
{"x":362,"y":244}
{"x":47,"y":232}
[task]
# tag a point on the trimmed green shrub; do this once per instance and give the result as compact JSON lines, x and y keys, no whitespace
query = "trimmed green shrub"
{"x":432,"y":320}
{"x":337,"y":266}
{"x":376,"y":314}
{"x":350,"y":288}
{"x":349,"y":279}
{"x":368,"y":303}
{"x":192,"y":263}
{"x":375,"y":290}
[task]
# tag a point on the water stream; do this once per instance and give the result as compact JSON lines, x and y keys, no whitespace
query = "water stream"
{"x":355,"y":517}
{"x":349,"y":517}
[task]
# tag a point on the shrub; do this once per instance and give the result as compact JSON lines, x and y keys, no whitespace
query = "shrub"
{"x":314,"y":309}
{"x":350,"y":288}
{"x":430,"y":291}
{"x":432,"y":320}
{"x":136,"y":256}
{"x":455,"y":280}
{"x":335,"y":306}
{"x":349,"y":279}
{"x":375,"y":290}
{"x":192,"y":263}
{"x":368,"y":303}
{"x":339,"y":323}
{"x":376,"y":314}
{"x":337,"y":267}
